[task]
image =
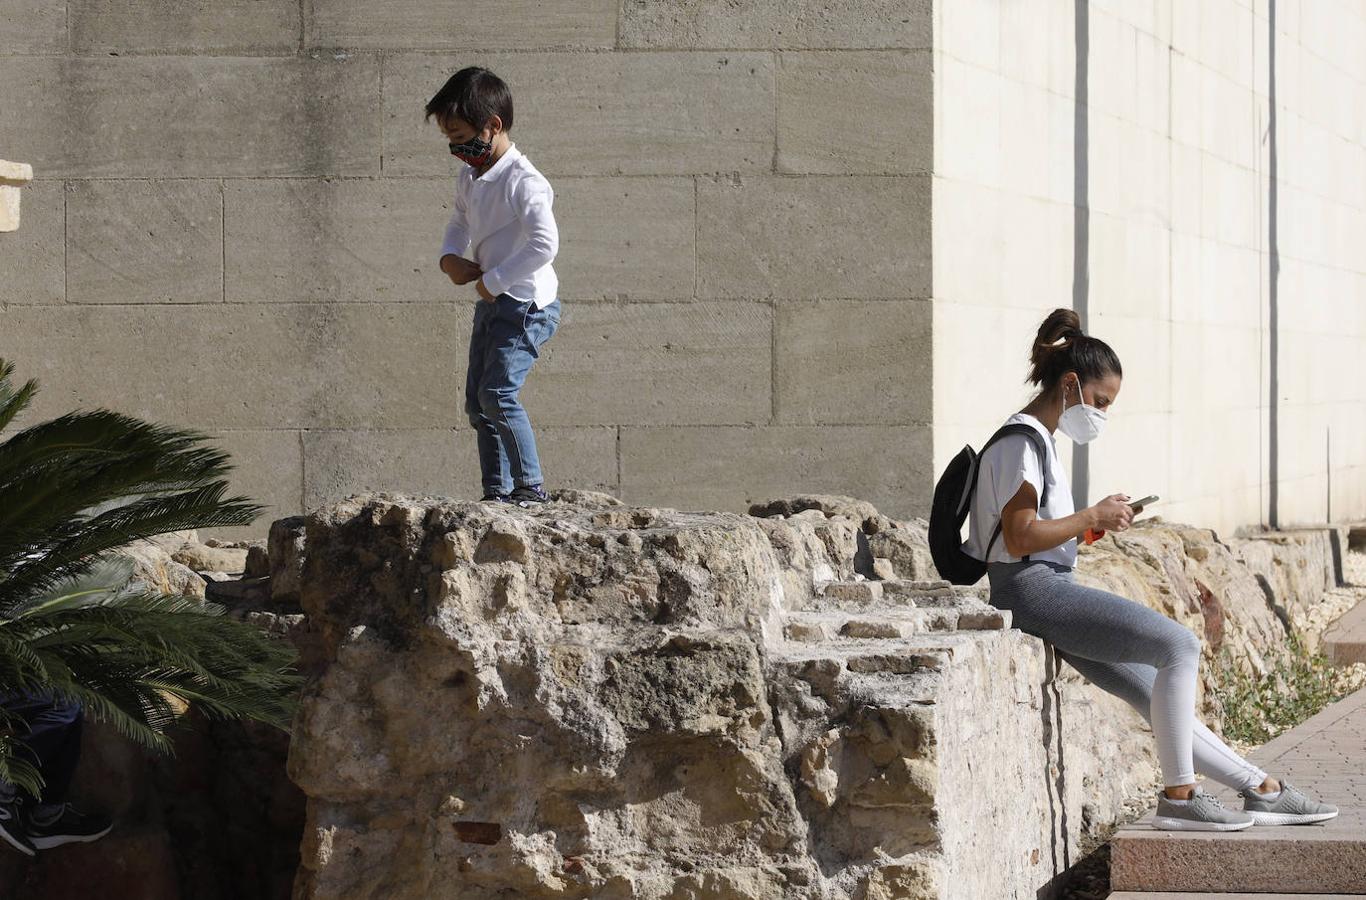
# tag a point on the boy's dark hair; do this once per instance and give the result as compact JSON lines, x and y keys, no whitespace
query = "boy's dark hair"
{"x":1061,"y":346}
{"x":475,"y":95}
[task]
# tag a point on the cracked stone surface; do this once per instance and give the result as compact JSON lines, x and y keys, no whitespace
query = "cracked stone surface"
{"x":592,"y":700}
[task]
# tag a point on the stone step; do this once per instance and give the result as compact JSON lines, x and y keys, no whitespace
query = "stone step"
{"x":1344,"y":641}
{"x":820,"y":625}
{"x":1239,"y":895}
{"x":1322,"y":755}
{"x":929,"y":652}
{"x":858,"y":594}
{"x":1309,"y":859}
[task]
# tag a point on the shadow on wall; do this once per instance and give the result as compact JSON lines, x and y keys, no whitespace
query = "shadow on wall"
{"x":1273,"y":298}
{"x":1081,"y":216}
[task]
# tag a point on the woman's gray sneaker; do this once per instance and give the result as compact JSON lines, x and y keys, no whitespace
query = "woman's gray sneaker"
{"x":1292,"y":807}
{"x":1204,"y":812}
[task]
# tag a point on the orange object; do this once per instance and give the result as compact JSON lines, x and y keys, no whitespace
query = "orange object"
{"x":1092,"y":535}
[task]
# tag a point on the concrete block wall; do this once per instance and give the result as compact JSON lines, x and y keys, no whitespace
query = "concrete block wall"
{"x":239,"y":206}
{"x":1188,"y":239}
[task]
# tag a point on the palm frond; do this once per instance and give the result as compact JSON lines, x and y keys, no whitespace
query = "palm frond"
{"x":72,"y":491}
{"x":14,"y":768}
{"x":53,"y":475}
{"x":77,"y":545}
{"x":13,"y":402}
{"x":126,"y":655}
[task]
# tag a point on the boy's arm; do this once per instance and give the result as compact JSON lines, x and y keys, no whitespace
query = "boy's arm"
{"x":542,"y":241}
{"x":457,"y":239}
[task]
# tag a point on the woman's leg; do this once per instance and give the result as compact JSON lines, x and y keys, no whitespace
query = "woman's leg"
{"x":1094,"y":624}
{"x":1133,"y":683}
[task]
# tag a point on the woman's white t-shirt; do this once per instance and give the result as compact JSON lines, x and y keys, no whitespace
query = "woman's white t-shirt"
{"x":1006,"y":465}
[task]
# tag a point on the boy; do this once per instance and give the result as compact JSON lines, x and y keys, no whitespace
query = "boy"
{"x":47,"y":732}
{"x":502,"y":209}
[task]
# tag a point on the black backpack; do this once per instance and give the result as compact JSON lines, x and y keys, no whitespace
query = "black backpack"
{"x":952,"y":501}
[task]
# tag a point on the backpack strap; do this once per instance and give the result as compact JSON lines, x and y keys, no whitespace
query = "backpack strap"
{"x":1032,"y":433}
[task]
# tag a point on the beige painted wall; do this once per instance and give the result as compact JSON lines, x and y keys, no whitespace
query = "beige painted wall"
{"x":1179,"y":248}
{"x":238,"y":212}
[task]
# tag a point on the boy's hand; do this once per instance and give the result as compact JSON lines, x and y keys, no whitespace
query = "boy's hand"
{"x":483,"y":291}
{"x":459,"y":269}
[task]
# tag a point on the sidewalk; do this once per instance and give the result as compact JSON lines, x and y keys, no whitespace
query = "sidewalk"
{"x":1325,"y":756}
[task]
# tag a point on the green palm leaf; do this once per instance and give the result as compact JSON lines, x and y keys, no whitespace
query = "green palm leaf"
{"x":72,"y":491}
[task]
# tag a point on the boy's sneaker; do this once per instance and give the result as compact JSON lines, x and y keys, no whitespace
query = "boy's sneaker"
{"x":1203,"y":812}
{"x":528,"y":495}
{"x":69,"y":827}
{"x":494,"y":497}
{"x":12,"y":826}
{"x":1291,"y":807}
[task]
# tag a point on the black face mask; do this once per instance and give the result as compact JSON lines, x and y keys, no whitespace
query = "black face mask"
{"x":476,"y":151}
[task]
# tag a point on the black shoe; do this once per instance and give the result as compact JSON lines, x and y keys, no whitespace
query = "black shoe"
{"x":494,"y":497}
{"x":71,"y":827}
{"x":12,"y":827}
{"x":529,"y":494}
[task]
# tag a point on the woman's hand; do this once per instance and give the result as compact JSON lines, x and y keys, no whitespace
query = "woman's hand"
{"x":1113,"y":513}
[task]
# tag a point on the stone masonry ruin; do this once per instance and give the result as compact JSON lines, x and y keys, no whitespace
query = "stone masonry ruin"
{"x":594,"y":700}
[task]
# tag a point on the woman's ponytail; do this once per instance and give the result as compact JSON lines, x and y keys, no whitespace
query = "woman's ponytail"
{"x":1061,"y":346}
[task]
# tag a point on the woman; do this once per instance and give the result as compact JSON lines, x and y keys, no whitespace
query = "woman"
{"x":1136,"y":653}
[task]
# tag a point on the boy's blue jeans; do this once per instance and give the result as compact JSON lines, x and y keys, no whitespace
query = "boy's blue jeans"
{"x":504,"y":343}
{"x":51,"y":737}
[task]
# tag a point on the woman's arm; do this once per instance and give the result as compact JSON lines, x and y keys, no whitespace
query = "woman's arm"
{"x":1025,"y":533}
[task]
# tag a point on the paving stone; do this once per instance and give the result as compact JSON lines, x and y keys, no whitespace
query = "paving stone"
{"x":1320,"y":858}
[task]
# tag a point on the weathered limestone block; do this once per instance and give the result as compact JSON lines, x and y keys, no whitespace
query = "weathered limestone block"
{"x":156,"y":570}
{"x":13,"y":176}
{"x":284,"y":550}
{"x":203,"y":558}
{"x":541,"y":703}
{"x":826,"y":537}
{"x":1294,"y":567}
{"x":594,"y":700}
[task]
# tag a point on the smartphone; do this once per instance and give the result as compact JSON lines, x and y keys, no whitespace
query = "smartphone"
{"x":1138,"y":505}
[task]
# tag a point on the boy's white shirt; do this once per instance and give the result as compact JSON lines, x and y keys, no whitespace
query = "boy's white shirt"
{"x":505,"y":216}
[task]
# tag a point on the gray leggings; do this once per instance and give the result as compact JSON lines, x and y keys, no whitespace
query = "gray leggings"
{"x":1147,"y":660}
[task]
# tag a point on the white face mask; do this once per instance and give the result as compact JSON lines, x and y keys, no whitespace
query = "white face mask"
{"x":1081,"y":422}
